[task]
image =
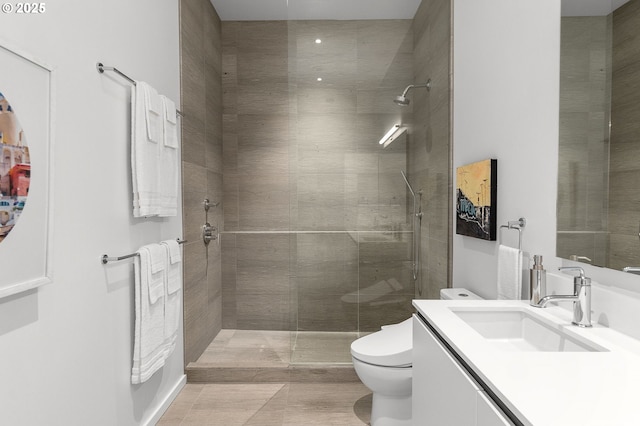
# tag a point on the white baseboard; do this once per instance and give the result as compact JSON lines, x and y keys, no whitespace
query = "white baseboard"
{"x":155,"y":418}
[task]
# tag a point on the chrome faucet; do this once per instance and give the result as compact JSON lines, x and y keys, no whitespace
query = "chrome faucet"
{"x":581,"y":298}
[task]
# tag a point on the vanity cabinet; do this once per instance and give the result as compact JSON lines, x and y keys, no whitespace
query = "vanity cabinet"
{"x":443,"y":391}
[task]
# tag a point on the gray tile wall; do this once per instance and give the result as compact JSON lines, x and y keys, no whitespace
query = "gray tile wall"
{"x":430,"y":148}
{"x":201,"y":83}
{"x":624,"y":200}
{"x":305,"y":181}
{"x":585,"y":81}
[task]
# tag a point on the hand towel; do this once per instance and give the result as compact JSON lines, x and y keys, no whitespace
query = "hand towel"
{"x":158,"y":268}
{"x":145,"y":156}
{"x":509,"y":273}
{"x":169,"y":161}
{"x":154,"y":113}
{"x":170,"y":122}
{"x":174,"y":258}
{"x":149,"y":343}
{"x":172,"y":295}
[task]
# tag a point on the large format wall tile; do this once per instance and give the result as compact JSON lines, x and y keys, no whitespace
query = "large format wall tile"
{"x":201,"y":96}
{"x":301,"y":156}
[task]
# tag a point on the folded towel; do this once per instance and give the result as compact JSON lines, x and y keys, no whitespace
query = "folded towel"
{"x":170,"y":122}
{"x":145,"y":157}
{"x":172,"y":295}
{"x":169,"y":162}
{"x":509,"y":273}
{"x":149,"y":347}
{"x":154,"y":113}
{"x":158,"y":265}
{"x":173,"y":267}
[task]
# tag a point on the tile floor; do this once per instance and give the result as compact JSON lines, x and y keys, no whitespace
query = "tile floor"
{"x":270,"y":401}
{"x":270,"y":404}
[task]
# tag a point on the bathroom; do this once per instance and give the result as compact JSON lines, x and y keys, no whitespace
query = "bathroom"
{"x":67,"y":345}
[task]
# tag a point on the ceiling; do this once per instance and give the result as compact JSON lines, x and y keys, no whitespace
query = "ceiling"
{"x":274,"y":10}
{"x":590,"y":7}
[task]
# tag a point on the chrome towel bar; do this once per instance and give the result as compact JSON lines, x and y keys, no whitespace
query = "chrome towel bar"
{"x":106,"y":259}
{"x":102,"y":68}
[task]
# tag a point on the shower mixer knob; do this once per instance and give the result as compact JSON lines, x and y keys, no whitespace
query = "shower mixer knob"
{"x":209,"y":233}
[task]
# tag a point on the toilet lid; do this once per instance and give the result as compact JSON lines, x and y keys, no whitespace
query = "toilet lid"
{"x":389,"y":347}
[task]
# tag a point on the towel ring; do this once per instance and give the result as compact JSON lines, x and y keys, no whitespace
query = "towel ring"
{"x":516,"y":225}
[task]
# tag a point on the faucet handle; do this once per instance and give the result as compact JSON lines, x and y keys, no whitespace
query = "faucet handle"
{"x":580,"y":280}
{"x":572,"y":268}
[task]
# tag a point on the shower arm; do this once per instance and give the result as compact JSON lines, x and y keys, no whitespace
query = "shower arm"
{"x":412,"y":86}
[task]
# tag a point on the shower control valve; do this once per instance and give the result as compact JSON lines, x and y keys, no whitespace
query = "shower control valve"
{"x":209,"y":233}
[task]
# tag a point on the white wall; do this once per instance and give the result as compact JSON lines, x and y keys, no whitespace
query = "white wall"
{"x":506,"y":97}
{"x":66,"y":347}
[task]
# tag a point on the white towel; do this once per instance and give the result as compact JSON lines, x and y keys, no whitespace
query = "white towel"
{"x":158,"y":265}
{"x":145,"y":156}
{"x":149,"y":343}
{"x":170,"y":122}
{"x":509,"y":273}
{"x":172,"y":295}
{"x":169,"y":161}
{"x":154,"y":113}
{"x":174,"y":279}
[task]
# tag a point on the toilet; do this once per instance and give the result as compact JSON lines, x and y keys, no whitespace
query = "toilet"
{"x":383,"y":362}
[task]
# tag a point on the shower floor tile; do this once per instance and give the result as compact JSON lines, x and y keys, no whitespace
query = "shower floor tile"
{"x":248,"y":348}
{"x":265,"y":348}
{"x":322,"y":347}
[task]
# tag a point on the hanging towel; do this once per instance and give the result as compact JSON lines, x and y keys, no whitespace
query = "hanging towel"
{"x":145,"y":154}
{"x":158,"y":265}
{"x":172,"y":295}
{"x":154,"y":114}
{"x":509,"y":273}
{"x":149,"y":343}
{"x":170,"y":122}
{"x":169,"y":161}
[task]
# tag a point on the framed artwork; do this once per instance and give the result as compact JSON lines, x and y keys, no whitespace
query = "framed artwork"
{"x":476,"y":198}
{"x":26,"y":139}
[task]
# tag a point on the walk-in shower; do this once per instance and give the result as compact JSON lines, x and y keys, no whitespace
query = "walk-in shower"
{"x":320,"y":241}
{"x":402,"y":100}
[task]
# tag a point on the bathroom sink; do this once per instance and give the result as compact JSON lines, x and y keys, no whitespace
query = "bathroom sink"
{"x":521,"y":330}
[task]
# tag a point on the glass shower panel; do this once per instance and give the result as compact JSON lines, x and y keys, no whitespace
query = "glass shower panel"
{"x":351,"y":241}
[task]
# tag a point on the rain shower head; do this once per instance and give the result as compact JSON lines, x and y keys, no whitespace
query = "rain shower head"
{"x":402,"y":100}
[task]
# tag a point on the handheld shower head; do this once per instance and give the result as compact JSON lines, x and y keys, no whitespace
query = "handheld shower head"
{"x":402,"y":100}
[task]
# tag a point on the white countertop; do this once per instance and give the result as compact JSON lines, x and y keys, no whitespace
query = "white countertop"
{"x":549,"y":388}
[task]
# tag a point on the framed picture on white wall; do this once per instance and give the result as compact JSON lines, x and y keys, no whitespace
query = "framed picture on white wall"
{"x":26,"y":141}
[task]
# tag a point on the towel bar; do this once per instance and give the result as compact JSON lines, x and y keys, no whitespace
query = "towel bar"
{"x":102,"y":68}
{"x":517,"y":225}
{"x":106,"y":259}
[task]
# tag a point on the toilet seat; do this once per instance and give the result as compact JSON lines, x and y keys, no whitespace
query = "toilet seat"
{"x":390,"y":347}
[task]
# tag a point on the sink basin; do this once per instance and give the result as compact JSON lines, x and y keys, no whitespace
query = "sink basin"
{"x":520,"y":330}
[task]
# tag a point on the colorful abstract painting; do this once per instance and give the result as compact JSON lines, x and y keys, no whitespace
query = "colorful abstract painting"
{"x":476,"y":199}
{"x":15,"y":168}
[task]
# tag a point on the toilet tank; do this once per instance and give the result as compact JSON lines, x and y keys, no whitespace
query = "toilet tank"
{"x":458,"y":294}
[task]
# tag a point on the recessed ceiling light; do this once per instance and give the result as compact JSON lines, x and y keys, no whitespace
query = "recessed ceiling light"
{"x":318,"y":41}
{"x":319,"y":78}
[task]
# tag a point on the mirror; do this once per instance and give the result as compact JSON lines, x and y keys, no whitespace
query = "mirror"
{"x":598,"y":218}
